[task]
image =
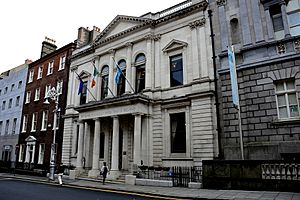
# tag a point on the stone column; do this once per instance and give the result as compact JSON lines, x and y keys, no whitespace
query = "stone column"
{"x":285,"y":20}
{"x":245,"y":22}
{"x":80,"y":146}
{"x":195,"y":53}
{"x":96,"y":149}
{"x":157,"y":65}
{"x":74,"y":138}
{"x":137,"y":139}
{"x":223,"y":24}
{"x":128,"y":88}
{"x":114,"y":171}
{"x":203,"y":52}
{"x":148,"y":70}
{"x":259,"y":35}
{"x":269,"y":24}
{"x":87,"y":143}
{"x":111,"y":73}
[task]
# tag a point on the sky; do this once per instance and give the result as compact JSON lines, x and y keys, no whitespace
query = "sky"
{"x":25,"y":23}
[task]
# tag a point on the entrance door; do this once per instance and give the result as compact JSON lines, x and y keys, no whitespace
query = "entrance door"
{"x":120,"y":148}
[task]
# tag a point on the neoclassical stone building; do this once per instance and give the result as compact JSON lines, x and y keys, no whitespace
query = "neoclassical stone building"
{"x":266,"y":38}
{"x":162,"y":113}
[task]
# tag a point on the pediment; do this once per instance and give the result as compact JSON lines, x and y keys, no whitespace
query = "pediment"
{"x":120,"y":24}
{"x":174,"y":45}
{"x":84,"y":74}
{"x":30,"y":139}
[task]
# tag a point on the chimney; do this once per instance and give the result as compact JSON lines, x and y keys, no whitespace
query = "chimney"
{"x":28,"y":61}
{"x":94,"y":33}
{"x":83,"y":36}
{"x":48,"y":46}
{"x":86,"y":36}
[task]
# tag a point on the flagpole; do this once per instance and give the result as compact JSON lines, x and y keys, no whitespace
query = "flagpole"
{"x":124,"y":75}
{"x":86,"y":87}
{"x":235,"y":94}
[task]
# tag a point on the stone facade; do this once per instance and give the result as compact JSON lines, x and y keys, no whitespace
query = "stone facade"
{"x":12,"y":87}
{"x":267,"y":60}
{"x":37,"y":127}
{"x":137,"y":126}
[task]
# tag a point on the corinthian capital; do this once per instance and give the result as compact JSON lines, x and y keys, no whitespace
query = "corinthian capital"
{"x":197,"y":23}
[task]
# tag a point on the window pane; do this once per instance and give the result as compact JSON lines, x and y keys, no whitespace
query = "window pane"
{"x":283,"y":112}
{"x":281,"y":100}
{"x":294,"y":111}
{"x":294,"y":18}
{"x":292,"y":99}
{"x":295,"y":30}
{"x":279,"y":86}
{"x":290,"y":85}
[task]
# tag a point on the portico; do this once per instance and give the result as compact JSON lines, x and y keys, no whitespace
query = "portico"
{"x":124,"y":136}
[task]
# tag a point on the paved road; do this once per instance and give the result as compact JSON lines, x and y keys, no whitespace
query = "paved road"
{"x":11,"y":189}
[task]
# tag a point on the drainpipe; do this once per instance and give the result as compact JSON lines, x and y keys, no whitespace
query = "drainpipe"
{"x":212,"y":35}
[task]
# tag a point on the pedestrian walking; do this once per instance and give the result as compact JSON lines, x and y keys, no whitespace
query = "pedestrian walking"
{"x":104,"y":171}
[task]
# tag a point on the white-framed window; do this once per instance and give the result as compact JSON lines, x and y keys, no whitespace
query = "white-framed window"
{"x":17,"y":101}
{"x":176,"y":70}
{"x":10,"y":103}
{"x":1,"y":124}
{"x":25,"y":122}
{"x":13,"y":130}
{"x":3,"y":105}
{"x":6,"y":127}
{"x":62,"y":62}
{"x":34,"y":121}
{"x":47,"y":89}
{"x":41,"y":153}
{"x":293,"y":16}
{"x":286,"y":99}
{"x":50,"y":67}
{"x":59,"y":86}
{"x":40,"y":72}
{"x":45,"y":120}
{"x":28,"y":95}
{"x":30,"y":77}
{"x":37,"y":94}
{"x":21,"y":152}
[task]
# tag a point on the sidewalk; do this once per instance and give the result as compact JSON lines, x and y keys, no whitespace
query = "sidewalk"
{"x":169,"y":191}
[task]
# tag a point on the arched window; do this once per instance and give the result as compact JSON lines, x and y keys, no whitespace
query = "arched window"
{"x":235,"y":31}
{"x":121,"y":80}
{"x":104,"y":81}
{"x":140,"y":62}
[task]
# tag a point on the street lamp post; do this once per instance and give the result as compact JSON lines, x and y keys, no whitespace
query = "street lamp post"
{"x":53,"y":94}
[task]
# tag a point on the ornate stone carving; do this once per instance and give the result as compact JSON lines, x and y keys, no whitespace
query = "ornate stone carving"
{"x":157,"y":37}
{"x":149,"y":37}
{"x":281,"y":48}
{"x":112,"y":51}
{"x":297,"y":45}
{"x":129,"y":44}
{"x":221,"y":2}
{"x":197,"y":23}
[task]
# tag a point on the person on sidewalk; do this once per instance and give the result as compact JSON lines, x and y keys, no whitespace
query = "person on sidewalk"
{"x":104,"y":172}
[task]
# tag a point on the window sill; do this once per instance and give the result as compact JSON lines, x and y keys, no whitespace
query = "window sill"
{"x":60,"y":69}
{"x":43,"y":129}
{"x":285,"y":121}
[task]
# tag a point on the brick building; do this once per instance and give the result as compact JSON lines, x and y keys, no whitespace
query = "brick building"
{"x":266,"y":38}
{"x":36,"y":133}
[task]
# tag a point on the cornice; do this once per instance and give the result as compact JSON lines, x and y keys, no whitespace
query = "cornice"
{"x":201,"y":6}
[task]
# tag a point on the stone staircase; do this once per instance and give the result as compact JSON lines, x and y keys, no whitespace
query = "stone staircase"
{"x":120,"y":179}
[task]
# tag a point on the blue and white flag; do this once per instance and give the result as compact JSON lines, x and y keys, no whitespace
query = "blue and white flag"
{"x":233,"y":77}
{"x":118,"y":74}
